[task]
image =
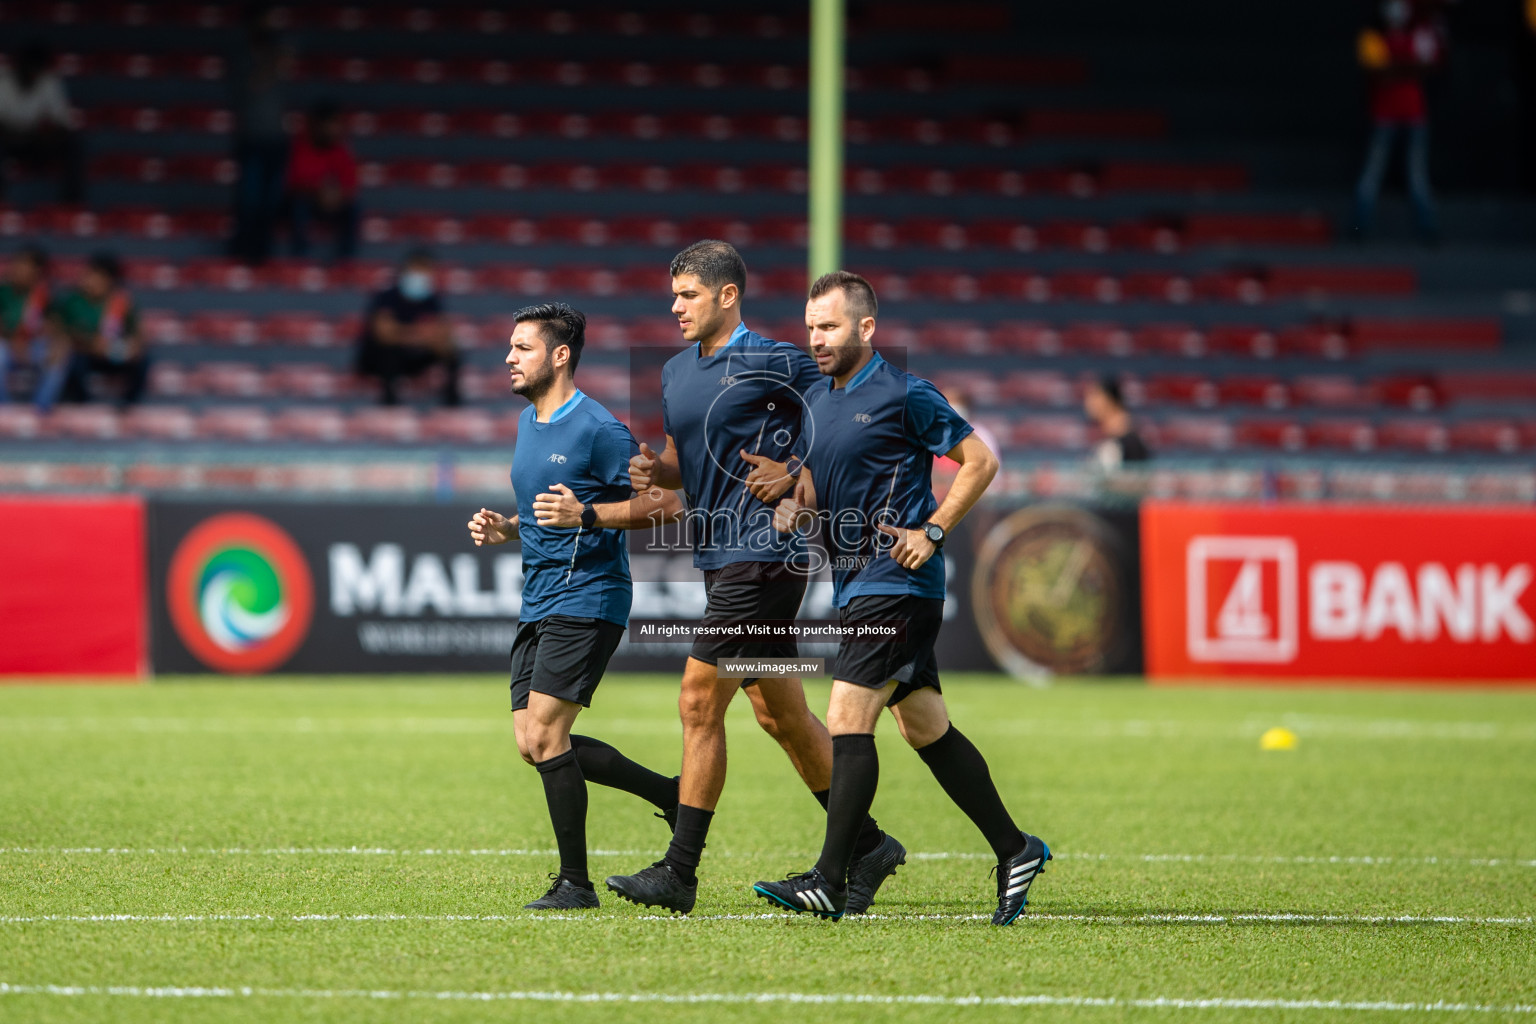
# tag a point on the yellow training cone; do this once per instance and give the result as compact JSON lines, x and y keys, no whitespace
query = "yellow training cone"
{"x":1278,"y":738}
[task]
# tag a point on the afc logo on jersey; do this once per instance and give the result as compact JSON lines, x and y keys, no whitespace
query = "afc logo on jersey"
{"x":1243,"y":599}
{"x":557,"y":457}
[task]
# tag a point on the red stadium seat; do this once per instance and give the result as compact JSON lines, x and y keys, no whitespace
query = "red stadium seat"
{"x":1417,"y":392}
{"x":306,"y":380}
{"x":1335,"y":280}
{"x":159,"y":423}
{"x":309,"y":423}
{"x":1100,"y":339}
{"x":393,"y":425}
{"x":1025,"y":338}
{"x":1284,"y":435}
{"x":1196,"y":433}
{"x":1332,"y":391}
{"x":1373,"y":334}
{"x":1341,"y":435}
{"x":961,"y":337}
{"x":1171,"y":340}
{"x":1242,"y":341}
{"x":223,"y":328}
{"x":1415,"y":435}
{"x":461,"y":426}
{"x":1184,"y":389}
{"x":1269,"y":392}
{"x":232,"y":380}
{"x":20,"y":423}
{"x":1493,"y":435}
{"x":1487,"y":386}
{"x":1040,"y":387}
{"x":235,"y":423}
{"x":85,"y":423}
{"x":1050,"y":433}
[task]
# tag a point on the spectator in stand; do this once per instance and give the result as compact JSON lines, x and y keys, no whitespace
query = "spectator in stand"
{"x":405,"y":332}
{"x":322,"y":182}
{"x":1105,"y":406}
{"x":257,"y":67}
{"x":36,"y":123}
{"x":101,"y":323}
{"x":1399,"y":54}
{"x":32,"y":357}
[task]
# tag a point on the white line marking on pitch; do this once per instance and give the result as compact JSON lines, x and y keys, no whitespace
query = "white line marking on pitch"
{"x":384,"y":851}
{"x":1105,"y":919}
{"x":805,"y":998}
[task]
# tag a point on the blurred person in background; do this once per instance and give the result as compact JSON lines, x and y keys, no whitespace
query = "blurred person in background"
{"x":1105,"y":406}
{"x":1398,"y":54}
{"x":32,"y":357}
{"x":101,"y":323}
{"x":36,"y":123}
{"x":322,"y":182}
{"x":405,"y":332}
{"x":257,"y":66}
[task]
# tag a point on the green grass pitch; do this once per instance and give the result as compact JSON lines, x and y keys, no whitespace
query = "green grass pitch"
{"x":361,"y":850}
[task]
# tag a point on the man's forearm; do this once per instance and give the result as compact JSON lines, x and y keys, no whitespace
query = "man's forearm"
{"x":639,"y":512}
{"x":970,"y":484}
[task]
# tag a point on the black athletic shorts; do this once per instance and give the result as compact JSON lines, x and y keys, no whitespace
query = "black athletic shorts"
{"x":910,"y":661}
{"x":562,"y":656}
{"x":749,"y":590}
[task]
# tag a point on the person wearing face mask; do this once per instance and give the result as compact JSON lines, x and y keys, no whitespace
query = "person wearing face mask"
{"x":1398,"y":55}
{"x":405,"y":332}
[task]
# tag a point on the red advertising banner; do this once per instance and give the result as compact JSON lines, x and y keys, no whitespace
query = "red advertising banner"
{"x":1344,"y":592}
{"x":72,"y":588}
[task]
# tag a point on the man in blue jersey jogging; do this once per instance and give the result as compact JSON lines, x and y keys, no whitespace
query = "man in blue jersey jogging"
{"x":570,"y":472}
{"x":732,"y":413}
{"x":869,"y":479}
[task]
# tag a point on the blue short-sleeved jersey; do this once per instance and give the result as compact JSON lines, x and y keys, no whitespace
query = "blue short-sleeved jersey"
{"x":584,"y":573}
{"x":748,"y":396}
{"x":872,"y":462}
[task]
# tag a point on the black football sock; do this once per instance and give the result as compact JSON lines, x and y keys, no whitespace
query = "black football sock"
{"x":962,"y":772}
{"x":604,"y":765}
{"x":869,"y":832}
{"x":688,"y":842}
{"x":855,"y":775}
{"x":566,"y":793}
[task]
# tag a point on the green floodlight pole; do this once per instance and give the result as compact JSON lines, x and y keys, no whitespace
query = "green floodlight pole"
{"x":826,"y":136}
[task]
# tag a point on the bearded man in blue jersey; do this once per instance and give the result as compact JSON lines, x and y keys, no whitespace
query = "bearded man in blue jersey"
{"x":869,"y":479}
{"x":570,"y":472}
{"x":732,"y":413}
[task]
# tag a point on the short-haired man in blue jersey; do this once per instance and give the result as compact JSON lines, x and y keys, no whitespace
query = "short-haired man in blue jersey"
{"x":732,"y":412}
{"x":570,"y":472}
{"x":869,"y":475}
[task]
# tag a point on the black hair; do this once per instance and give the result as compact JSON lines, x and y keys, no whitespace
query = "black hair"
{"x":1111,"y":388}
{"x":858,"y":294}
{"x":715,"y":263}
{"x":107,"y":263}
{"x":560,"y":323}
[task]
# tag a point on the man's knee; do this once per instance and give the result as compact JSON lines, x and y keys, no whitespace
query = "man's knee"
{"x":701,"y":705}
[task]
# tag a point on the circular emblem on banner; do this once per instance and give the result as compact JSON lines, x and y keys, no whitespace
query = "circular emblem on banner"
{"x":1048,"y":593}
{"x":240,"y":593}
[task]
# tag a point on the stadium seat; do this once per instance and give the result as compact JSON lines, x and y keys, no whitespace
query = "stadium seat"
{"x":235,"y":423}
{"x":1272,"y":434}
{"x":1414,"y":435}
{"x":1486,"y":435}
{"x":1341,"y":435}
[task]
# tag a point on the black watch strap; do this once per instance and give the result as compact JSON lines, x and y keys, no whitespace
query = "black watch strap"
{"x":588,"y":516}
{"x":930,"y":529}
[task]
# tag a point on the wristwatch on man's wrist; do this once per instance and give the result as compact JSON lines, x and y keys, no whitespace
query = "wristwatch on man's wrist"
{"x":588,"y":516}
{"x":935,"y":533}
{"x":793,"y":466}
